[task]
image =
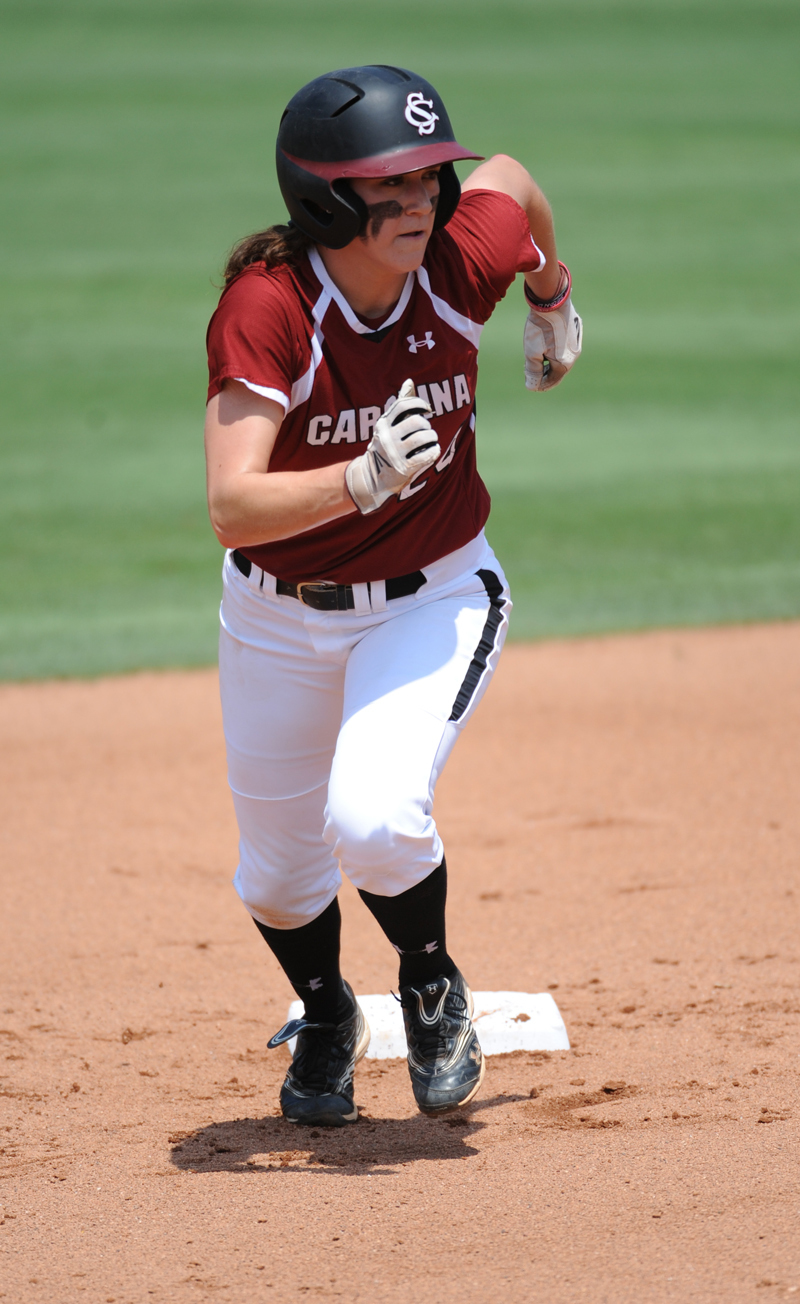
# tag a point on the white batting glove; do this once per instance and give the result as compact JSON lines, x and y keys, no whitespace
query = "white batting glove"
{"x":403,"y":444}
{"x":553,"y":338}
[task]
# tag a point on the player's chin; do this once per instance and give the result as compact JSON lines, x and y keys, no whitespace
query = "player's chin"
{"x":409,"y":248}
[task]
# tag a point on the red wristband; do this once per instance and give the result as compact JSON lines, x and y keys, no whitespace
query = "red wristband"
{"x":559,"y":298}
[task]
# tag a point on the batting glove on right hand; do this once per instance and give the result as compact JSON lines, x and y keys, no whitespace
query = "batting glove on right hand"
{"x":552,"y":341}
{"x":403,"y":444}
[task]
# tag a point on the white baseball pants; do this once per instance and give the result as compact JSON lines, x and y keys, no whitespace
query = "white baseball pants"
{"x":338,"y":724}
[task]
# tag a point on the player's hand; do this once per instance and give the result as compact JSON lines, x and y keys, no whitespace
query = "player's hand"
{"x":403,"y":444}
{"x":552,"y":343}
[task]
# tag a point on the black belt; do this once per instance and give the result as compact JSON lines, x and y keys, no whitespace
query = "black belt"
{"x":325,"y":596}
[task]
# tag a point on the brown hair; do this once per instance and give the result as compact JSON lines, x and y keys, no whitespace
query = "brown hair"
{"x":276,"y":245}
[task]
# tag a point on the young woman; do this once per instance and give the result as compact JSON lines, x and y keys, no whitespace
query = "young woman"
{"x":363,"y":611}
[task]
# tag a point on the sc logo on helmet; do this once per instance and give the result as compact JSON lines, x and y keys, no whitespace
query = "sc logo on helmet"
{"x":421,"y":118}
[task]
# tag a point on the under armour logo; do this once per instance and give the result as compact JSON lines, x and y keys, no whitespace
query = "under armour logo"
{"x":415,"y":345}
{"x":422,"y":119}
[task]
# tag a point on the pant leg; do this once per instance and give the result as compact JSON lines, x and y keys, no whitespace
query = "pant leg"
{"x":282,"y":707}
{"x":411,"y":684}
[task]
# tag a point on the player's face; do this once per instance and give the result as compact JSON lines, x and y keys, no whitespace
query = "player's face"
{"x":401,"y":213}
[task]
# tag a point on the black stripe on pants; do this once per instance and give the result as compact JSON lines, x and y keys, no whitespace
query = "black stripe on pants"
{"x":485,"y":646}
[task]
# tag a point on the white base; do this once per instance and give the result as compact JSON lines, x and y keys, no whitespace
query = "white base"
{"x":504,"y":1021}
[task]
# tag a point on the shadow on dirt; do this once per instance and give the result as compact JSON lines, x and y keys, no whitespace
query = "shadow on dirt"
{"x":270,"y":1145}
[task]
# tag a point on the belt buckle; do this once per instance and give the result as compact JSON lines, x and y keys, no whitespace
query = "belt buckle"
{"x":312,"y":584}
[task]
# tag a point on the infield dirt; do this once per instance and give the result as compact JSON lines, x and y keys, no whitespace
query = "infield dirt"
{"x":621,"y":824}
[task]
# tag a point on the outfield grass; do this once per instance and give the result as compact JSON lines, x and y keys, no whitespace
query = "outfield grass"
{"x":658,"y":485}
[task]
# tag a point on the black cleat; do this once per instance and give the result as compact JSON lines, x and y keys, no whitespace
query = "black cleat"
{"x":318,"y":1089}
{"x":444,"y":1055}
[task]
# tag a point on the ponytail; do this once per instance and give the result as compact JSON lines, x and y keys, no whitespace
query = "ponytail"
{"x":276,"y":245}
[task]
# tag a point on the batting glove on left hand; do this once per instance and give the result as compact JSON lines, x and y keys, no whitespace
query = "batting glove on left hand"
{"x":552,"y":340}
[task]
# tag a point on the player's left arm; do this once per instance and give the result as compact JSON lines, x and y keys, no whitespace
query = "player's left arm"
{"x":553,"y":331}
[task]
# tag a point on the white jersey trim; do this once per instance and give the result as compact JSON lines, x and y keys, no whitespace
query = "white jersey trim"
{"x":276,"y":395}
{"x":301,"y":389}
{"x":471,"y":330}
{"x":323,"y":302}
{"x":330,"y":292}
{"x":542,"y":259}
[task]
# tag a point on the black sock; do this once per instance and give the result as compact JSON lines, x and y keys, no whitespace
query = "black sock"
{"x":309,"y":956}
{"x":414,"y":924}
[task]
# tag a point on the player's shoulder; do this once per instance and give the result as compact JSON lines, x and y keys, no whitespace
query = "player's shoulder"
{"x":479,"y":206}
{"x":472,"y":261}
{"x":481,"y":219}
{"x":259,"y":288}
{"x":268,"y":308}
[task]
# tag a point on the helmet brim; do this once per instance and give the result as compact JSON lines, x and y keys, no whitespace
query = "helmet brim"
{"x":390,"y":164}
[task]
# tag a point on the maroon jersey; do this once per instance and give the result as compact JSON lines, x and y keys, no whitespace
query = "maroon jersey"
{"x":290,"y":335}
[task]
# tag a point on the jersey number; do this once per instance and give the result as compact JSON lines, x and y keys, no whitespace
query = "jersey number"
{"x":414,"y":486}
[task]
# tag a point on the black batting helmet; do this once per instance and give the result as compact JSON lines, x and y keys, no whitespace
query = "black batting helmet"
{"x":374,"y":121}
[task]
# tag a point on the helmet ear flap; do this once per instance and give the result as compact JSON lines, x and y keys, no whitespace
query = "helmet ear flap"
{"x":329,"y":216}
{"x":344,"y":191}
{"x":449,"y":195}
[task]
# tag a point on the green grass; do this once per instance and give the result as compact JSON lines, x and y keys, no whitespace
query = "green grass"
{"x":658,"y":485}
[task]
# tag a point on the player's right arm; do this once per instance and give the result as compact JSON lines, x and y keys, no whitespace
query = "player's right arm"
{"x":247,"y":503}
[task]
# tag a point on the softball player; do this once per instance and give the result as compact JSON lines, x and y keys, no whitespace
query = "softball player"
{"x":363,"y":611}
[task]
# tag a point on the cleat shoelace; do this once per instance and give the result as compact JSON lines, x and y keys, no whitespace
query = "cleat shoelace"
{"x":321,"y":1059}
{"x":432,"y":1038}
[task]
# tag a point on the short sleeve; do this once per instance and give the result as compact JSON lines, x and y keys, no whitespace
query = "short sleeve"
{"x":495,"y":243}
{"x":252,"y":338}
